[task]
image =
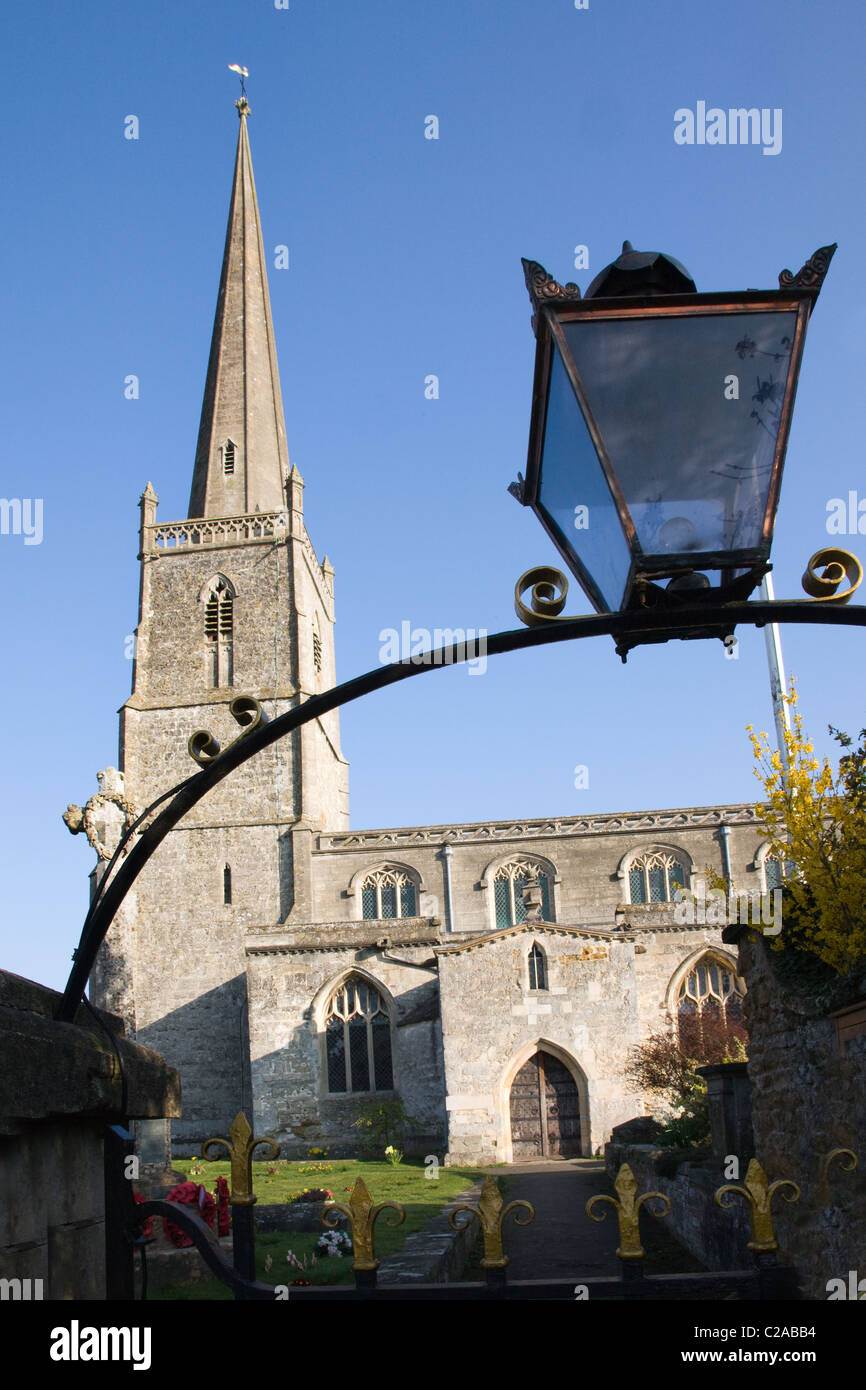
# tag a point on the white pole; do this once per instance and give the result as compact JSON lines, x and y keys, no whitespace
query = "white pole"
{"x":778,"y":684}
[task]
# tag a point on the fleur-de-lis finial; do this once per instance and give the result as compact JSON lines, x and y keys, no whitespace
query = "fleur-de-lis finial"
{"x":491,"y":1213}
{"x":759,"y":1194}
{"x":826,"y":1163}
{"x":627,"y":1205}
{"x":362,"y":1216}
{"x":240,"y":1145}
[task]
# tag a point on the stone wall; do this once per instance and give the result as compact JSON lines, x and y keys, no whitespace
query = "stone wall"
{"x":61,"y":1085}
{"x":492,"y":1022}
{"x":807,"y":1099}
{"x":292,"y":976}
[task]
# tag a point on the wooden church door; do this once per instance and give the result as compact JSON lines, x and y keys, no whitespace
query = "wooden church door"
{"x":545,"y":1110}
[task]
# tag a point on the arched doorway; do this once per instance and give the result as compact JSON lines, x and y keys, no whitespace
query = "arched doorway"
{"x":545,"y":1110}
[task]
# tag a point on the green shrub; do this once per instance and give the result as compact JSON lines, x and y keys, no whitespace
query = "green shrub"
{"x":384,"y":1123}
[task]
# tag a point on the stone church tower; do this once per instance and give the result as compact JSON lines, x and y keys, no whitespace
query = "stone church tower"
{"x":233,"y":600}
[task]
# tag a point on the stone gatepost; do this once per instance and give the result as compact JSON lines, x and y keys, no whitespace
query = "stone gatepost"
{"x":729,"y":1091}
{"x":67,"y":1094}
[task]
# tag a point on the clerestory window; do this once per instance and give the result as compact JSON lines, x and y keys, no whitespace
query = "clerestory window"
{"x":776,"y":871}
{"x":358,"y":1040}
{"x":510,"y":882}
{"x":655,"y":878}
{"x":388,"y":892}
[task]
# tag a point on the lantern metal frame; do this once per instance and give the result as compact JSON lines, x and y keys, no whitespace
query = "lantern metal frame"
{"x":556,"y":307}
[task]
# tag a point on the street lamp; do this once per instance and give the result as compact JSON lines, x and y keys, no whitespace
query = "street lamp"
{"x":660,"y":418}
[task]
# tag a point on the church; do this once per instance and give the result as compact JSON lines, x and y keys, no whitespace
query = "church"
{"x":492,"y":977}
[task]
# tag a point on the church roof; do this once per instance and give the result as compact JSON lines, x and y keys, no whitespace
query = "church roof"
{"x":241,"y":460}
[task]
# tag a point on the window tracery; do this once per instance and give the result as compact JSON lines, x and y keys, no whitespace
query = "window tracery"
{"x":358,"y":1040}
{"x":510,"y":882}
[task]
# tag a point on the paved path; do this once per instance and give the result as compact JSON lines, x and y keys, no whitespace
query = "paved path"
{"x":562,"y":1241}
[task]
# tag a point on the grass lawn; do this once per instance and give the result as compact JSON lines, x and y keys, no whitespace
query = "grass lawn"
{"x":275,"y":1182}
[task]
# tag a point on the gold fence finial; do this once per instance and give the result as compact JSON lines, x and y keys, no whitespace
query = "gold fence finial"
{"x":759,"y":1194}
{"x":362,"y":1216}
{"x":240,"y":1145}
{"x":491,"y":1213}
{"x":627,"y":1205}
{"x":824,"y":1165}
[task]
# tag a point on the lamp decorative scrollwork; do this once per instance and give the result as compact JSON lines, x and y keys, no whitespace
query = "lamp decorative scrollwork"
{"x":837,"y":565}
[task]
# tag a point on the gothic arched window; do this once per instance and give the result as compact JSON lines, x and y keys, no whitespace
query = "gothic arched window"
{"x":537,"y":968}
{"x":776,"y":871}
{"x":358,"y":1040}
{"x":219,"y":631}
{"x":388,"y":892}
{"x":709,"y":996}
{"x":655,"y":877}
{"x":228,"y":452}
{"x":510,"y":882}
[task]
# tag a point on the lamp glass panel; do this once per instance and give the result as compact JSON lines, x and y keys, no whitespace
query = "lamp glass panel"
{"x":689,"y":410}
{"x":571,"y":477}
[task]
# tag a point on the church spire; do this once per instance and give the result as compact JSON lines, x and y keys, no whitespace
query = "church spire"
{"x":241,"y":460}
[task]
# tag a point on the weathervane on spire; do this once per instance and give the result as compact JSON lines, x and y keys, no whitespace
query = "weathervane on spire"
{"x":243,"y":74}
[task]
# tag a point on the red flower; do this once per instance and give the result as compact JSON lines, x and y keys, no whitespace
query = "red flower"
{"x":147,"y":1228}
{"x":224,"y":1220}
{"x":188,"y":1194}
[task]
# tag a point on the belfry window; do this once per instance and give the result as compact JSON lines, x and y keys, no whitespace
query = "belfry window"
{"x":537,"y":968}
{"x":358,"y":1040}
{"x":228,"y":457}
{"x":219,"y":632}
{"x":388,"y":893}
{"x":510,"y":882}
{"x":655,"y":878}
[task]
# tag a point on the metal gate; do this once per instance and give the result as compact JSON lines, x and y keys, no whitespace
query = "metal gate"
{"x":765,"y":1279}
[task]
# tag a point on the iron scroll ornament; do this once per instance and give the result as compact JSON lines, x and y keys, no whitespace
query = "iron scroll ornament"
{"x":837,"y":565}
{"x":665,"y":625}
{"x":203,"y":748}
{"x":548,"y":587}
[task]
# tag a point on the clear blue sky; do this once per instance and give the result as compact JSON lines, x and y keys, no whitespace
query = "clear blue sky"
{"x":555,"y":129}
